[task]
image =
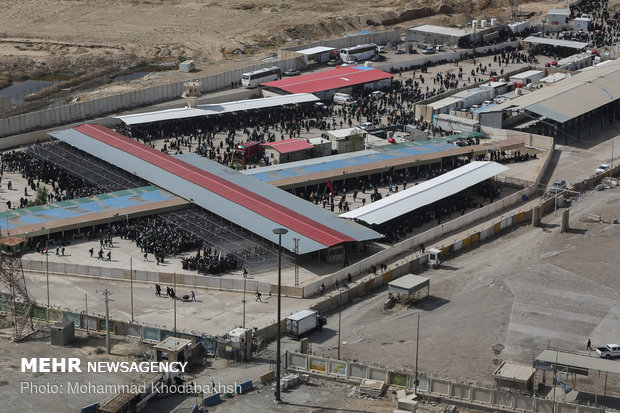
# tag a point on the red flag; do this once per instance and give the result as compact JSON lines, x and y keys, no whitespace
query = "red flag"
{"x":331,"y":188}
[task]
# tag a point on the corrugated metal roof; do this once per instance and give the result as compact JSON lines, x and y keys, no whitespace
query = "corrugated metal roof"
{"x":425,"y":193}
{"x":592,"y":89}
{"x":216,"y":109}
{"x":330,"y":79}
{"x":315,"y":50}
{"x":555,"y":42}
{"x":575,"y":360}
{"x":231,"y":201}
{"x":293,"y":202}
{"x":289,"y":145}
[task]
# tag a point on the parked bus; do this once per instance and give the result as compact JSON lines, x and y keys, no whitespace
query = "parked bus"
{"x":253,"y":79}
{"x":359,"y":52}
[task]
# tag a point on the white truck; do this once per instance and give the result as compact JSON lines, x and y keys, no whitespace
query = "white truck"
{"x":609,"y":351}
{"x":303,"y":322}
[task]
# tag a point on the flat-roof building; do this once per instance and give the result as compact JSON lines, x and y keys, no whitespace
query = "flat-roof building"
{"x":552,"y":110}
{"x":433,"y":35}
{"x":558,"y":16}
{"x":325,"y":84}
{"x":287,"y":150}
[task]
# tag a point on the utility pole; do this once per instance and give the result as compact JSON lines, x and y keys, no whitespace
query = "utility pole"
{"x":339,"y":318}
{"x":174,"y":300}
{"x":417,"y":343}
{"x":131,"y":284}
{"x":86,"y":299}
{"x":244,"y":300}
{"x":106,"y":294}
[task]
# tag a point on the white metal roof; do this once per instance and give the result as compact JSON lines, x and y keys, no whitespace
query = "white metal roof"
{"x":565,"y":12}
{"x":444,"y":102}
{"x":591,"y":88}
{"x":450,"y":31}
{"x":555,"y":42}
{"x":343,"y":133}
{"x":316,"y":50}
{"x":425,"y":193}
{"x":561,"y":359}
{"x":526,"y":74}
{"x":217,"y":109}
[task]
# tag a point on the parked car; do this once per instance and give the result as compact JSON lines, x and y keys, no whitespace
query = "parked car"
{"x":377,"y":94}
{"x":399,"y":51}
{"x":558,"y":186}
{"x":602,"y":168}
{"x":380,"y":49}
{"x":292,"y":72}
{"x":334,"y":62}
{"x":367,"y":125}
{"x":430,"y":50}
{"x":609,"y":351}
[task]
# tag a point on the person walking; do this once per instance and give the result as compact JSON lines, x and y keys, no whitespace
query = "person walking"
{"x":258,"y":295}
{"x":193,"y":296}
{"x":589,"y":345}
{"x":157,"y":290}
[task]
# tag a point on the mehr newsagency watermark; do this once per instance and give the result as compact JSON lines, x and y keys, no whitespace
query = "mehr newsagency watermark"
{"x":74,"y":365}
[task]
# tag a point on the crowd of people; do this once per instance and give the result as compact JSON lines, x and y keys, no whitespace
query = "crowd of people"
{"x":36,"y":171}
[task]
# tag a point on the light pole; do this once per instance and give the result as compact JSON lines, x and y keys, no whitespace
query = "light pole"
{"x":279,"y":232}
{"x":339,"y":318}
{"x":543,"y":27}
{"x":47,"y":276}
{"x":245,"y":277}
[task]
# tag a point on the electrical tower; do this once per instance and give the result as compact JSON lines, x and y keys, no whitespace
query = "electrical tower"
{"x":12,"y":278}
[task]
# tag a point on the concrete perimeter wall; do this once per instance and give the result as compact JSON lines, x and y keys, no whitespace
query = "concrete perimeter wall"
{"x":79,"y":111}
{"x":441,"y":389}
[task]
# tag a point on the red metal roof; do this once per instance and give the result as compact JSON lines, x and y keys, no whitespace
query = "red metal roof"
{"x":329,"y":79}
{"x":218,"y":185}
{"x":289,"y":145}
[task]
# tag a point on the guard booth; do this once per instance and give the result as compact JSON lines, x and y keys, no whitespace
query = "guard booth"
{"x":173,"y":349}
{"x":433,"y":257}
{"x":410,"y":286}
{"x":62,"y":333}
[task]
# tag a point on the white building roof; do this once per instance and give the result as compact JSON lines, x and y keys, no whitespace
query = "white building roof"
{"x":450,"y":31}
{"x":425,"y":193}
{"x":316,"y":50}
{"x":555,"y":42}
{"x":526,"y":74}
{"x":444,"y":102}
{"x":565,"y":12}
{"x":343,"y":133}
{"x":217,"y":109}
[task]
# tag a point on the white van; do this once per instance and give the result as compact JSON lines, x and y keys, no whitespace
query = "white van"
{"x":343,"y":99}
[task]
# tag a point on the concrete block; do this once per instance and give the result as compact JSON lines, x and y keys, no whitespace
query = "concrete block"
{"x":407,"y":405}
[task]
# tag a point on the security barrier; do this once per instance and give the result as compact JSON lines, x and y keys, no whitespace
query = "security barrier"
{"x":445,"y":390}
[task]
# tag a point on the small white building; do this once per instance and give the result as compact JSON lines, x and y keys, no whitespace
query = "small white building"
{"x":187,"y":66}
{"x":348,"y":140}
{"x":474,"y":96}
{"x":558,"y":16}
{"x":527,"y":77}
{"x":576,"y":61}
{"x":499,"y":88}
{"x":322,"y":147}
{"x":455,"y":123}
{"x":581,"y":23}
{"x":519,"y":27}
